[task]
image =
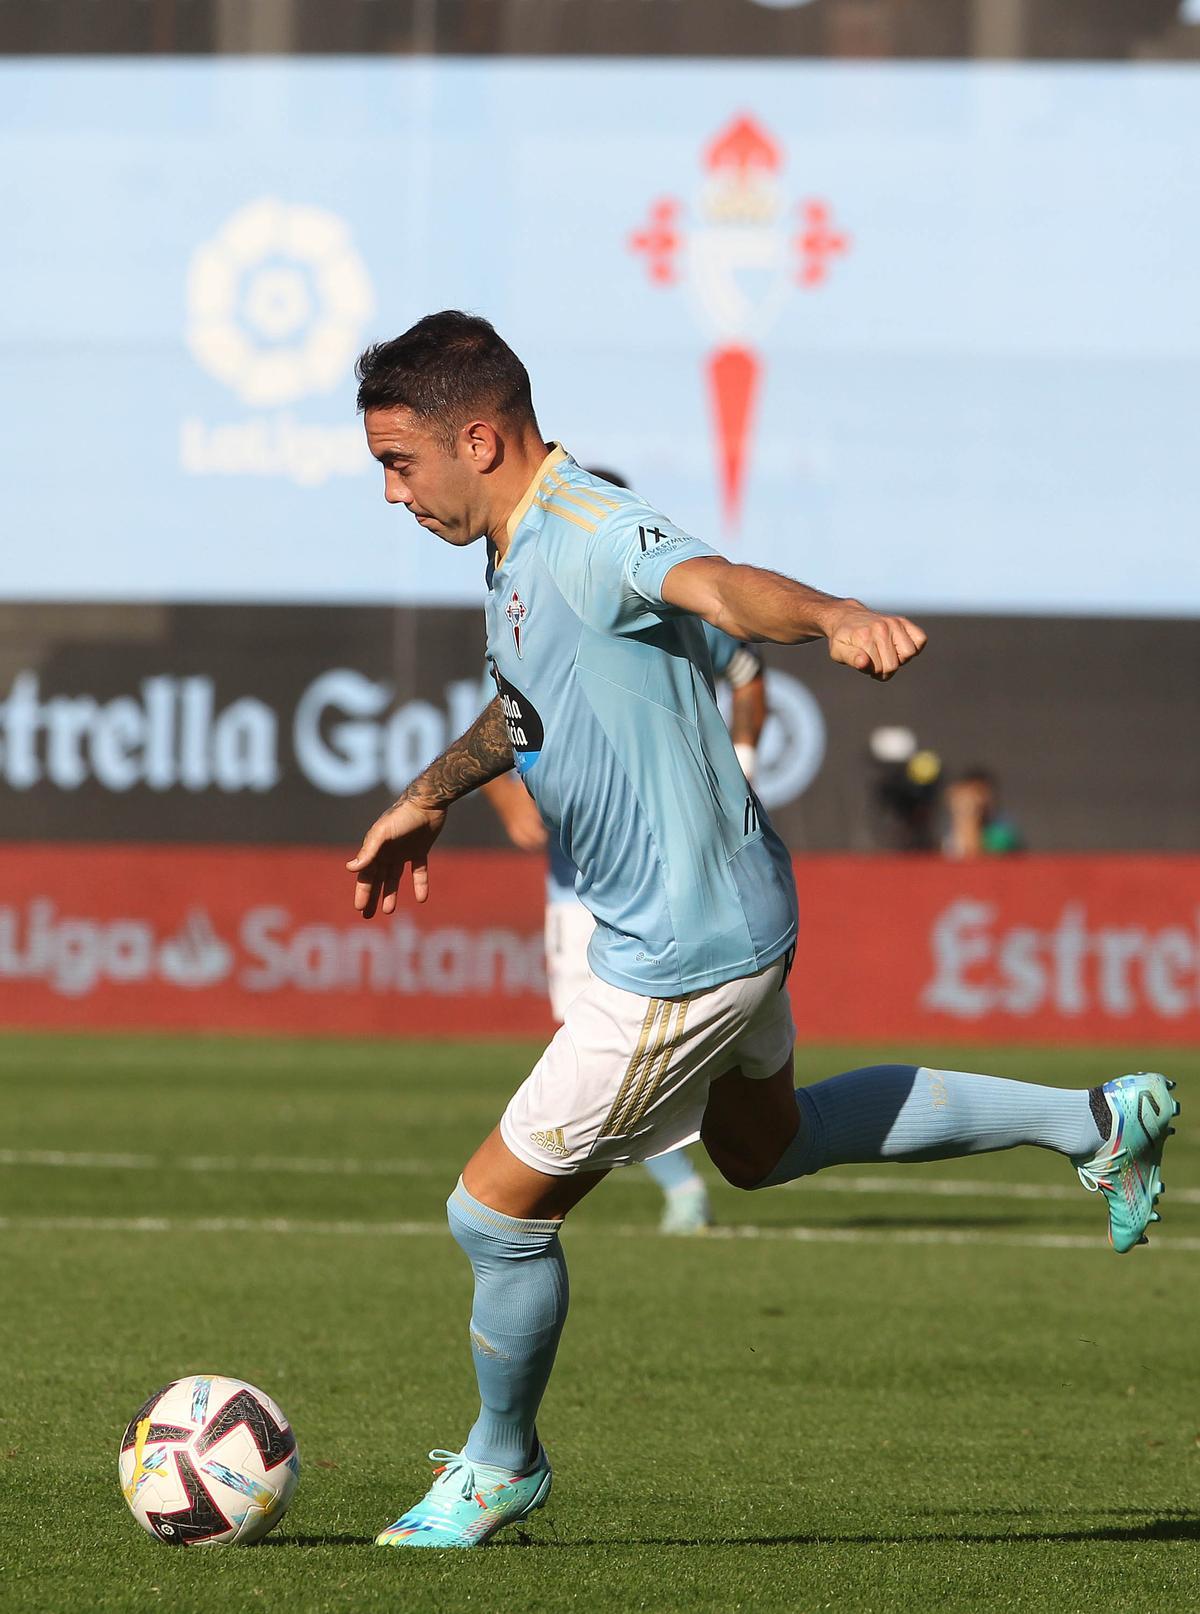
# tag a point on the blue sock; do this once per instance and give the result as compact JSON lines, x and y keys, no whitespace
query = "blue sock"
{"x":520,"y":1307}
{"x":674,"y":1170}
{"x":909,"y":1112}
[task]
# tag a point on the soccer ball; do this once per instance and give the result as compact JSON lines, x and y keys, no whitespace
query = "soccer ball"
{"x":208,"y":1460}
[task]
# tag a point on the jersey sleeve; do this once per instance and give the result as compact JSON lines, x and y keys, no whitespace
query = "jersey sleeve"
{"x":630,"y":558}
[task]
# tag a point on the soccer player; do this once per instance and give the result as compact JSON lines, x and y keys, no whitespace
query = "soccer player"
{"x":605,"y":705}
{"x":569,"y":925}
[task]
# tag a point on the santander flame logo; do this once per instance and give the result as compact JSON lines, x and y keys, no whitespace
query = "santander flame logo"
{"x":745,"y":250}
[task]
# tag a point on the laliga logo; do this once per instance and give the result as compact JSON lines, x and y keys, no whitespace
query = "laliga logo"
{"x":740,"y":261}
{"x":276,"y":302}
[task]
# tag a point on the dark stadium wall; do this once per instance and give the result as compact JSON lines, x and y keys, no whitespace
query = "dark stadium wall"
{"x":920,"y":29}
{"x":249,"y":724}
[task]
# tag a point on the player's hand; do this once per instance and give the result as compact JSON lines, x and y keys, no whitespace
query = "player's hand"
{"x":873,"y":644}
{"x":398,"y":839}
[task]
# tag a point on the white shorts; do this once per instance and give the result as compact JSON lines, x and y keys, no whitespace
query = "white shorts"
{"x":627,"y":1077}
{"x":569,"y":928}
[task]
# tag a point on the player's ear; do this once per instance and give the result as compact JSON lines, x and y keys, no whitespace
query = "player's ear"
{"x":479,"y":445}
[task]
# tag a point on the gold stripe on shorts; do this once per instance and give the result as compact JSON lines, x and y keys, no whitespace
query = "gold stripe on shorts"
{"x":655,"y":1072}
{"x":641,"y":1053}
{"x":648,"y":1065}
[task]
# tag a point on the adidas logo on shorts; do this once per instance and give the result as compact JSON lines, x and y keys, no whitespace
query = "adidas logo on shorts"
{"x":552,"y":1141}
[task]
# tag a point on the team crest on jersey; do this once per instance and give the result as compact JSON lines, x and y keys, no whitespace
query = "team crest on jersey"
{"x":516,"y":611}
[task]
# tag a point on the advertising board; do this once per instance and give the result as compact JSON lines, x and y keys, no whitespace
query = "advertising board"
{"x":206,"y":939}
{"x":296,"y":724}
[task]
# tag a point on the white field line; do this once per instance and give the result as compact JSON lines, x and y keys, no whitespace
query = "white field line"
{"x":218,"y":1163}
{"x":946,"y":1188}
{"x":883,"y":1182}
{"x":781,"y":1235}
{"x":214,"y":1224}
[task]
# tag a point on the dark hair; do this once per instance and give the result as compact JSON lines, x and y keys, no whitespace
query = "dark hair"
{"x":447,"y":368}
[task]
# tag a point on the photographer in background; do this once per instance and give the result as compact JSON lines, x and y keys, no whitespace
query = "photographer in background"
{"x":975,"y":827}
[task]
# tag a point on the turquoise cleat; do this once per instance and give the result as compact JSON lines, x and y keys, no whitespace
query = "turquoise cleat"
{"x":468,"y":1502}
{"x":1127,"y":1169}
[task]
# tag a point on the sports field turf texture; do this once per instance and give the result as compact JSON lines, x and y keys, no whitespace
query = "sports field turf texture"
{"x":887,"y":1389}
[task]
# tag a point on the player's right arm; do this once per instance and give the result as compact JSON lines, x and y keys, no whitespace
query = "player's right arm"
{"x":401,"y":837}
{"x":640,"y":562}
{"x":749,"y":603}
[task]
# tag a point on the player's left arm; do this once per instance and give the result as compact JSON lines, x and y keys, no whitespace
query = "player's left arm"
{"x":750,"y":603}
{"x":402,"y":837}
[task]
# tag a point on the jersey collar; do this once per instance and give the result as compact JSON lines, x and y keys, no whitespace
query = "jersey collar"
{"x":555,"y":457}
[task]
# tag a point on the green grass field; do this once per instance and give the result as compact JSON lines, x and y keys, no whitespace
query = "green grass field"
{"x":882,"y":1390}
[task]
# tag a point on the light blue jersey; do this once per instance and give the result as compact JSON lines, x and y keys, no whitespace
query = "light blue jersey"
{"x":608,"y":693}
{"x":732,"y":660}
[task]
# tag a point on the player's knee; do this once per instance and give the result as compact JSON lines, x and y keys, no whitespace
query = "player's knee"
{"x":739,"y":1172}
{"x":454,"y":1220}
{"x":761,"y":1179}
{"x":748,"y":1162}
{"x":464,"y":1224}
{"x":753,"y":1177}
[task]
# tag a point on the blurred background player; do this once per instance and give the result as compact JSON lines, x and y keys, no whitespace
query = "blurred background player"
{"x":569,"y":925}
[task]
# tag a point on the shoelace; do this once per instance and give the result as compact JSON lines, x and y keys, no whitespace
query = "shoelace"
{"x":456,"y":1475}
{"x":1121,"y":1167}
{"x":1094,"y":1181}
{"x":1090,"y":1181}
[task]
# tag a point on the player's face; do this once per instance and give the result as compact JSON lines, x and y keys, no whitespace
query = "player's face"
{"x":438,"y":487}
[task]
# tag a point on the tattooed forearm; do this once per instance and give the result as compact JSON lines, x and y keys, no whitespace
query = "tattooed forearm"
{"x":482,"y":753}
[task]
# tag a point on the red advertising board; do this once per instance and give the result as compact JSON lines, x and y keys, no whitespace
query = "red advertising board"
{"x":1057,"y":949}
{"x":1039,"y":949}
{"x":249,"y":939}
